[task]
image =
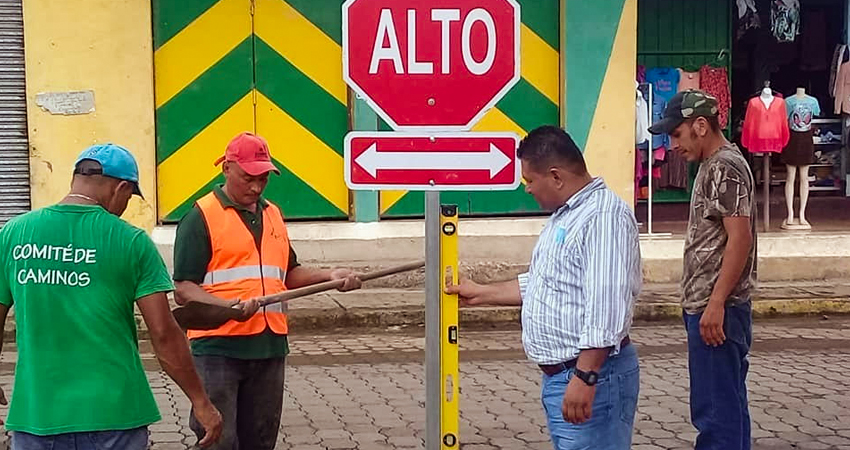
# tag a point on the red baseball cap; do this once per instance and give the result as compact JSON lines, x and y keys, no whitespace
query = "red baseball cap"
{"x":251,"y":152}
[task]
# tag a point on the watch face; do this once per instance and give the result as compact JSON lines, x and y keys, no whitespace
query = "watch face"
{"x":588,"y":377}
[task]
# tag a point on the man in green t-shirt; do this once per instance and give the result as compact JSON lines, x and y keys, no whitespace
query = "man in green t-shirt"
{"x":230,"y":244}
{"x":74,"y":272}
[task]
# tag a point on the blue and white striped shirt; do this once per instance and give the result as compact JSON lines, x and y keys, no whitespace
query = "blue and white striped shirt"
{"x":584,"y":278}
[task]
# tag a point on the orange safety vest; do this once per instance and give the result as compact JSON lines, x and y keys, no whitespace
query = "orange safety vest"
{"x":238,"y":271}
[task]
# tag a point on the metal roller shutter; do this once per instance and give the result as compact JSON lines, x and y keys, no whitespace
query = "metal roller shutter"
{"x":14,"y":149}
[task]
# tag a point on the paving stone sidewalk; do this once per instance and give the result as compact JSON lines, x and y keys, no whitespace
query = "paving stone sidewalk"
{"x":799,"y":384}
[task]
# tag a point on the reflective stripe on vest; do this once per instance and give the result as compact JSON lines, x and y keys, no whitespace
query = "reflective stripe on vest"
{"x":241,"y":273}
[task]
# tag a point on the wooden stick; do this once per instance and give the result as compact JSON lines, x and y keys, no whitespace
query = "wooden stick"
{"x":335,"y":284}
{"x":205,"y":316}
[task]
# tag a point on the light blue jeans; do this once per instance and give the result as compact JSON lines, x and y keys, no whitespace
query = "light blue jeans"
{"x":613,"y":417}
{"x":135,"y":439}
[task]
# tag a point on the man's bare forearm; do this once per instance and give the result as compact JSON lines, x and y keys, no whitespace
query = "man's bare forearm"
{"x":171,"y":347}
{"x":4,"y":312}
{"x":734,"y":260}
{"x":592,"y":359}
{"x":172,"y":351}
{"x":305,"y":276}
{"x":506,"y":293}
{"x":188,"y":291}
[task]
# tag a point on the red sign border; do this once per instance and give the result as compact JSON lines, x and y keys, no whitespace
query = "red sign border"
{"x":419,"y":187}
{"x":423,"y":128}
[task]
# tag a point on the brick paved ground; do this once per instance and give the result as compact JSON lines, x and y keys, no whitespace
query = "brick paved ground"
{"x":799,"y":385}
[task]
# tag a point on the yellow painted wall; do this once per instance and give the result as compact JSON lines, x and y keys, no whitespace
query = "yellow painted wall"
{"x":104,"y":46}
{"x":610,"y":149}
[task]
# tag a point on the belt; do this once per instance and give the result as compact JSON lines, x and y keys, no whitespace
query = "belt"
{"x":554,"y":369}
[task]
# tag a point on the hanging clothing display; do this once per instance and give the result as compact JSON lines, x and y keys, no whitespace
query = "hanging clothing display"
{"x":800,"y":150}
{"x":688,"y":80}
{"x":837,"y":56}
{"x":748,"y":17}
{"x":801,"y":111}
{"x":785,"y":19}
{"x":674,"y":174}
{"x":665,"y":82}
{"x":641,"y":118}
{"x":744,"y":7}
{"x":842,"y":89}
{"x":658,"y":105}
{"x":715,"y":82}
{"x":639,"y":174}
{"x":641,"y":73}
{"x":765,"y":127}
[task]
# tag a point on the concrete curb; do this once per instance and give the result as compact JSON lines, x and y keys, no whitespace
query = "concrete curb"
{"x":323,"y":320}
{"x":500,"y":248}
{"x":307,"y":320}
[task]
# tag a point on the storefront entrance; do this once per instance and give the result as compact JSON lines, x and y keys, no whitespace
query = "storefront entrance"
{"x":790,"y":45}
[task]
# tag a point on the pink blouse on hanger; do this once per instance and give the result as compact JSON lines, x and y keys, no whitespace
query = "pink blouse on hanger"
{"x":688,"y":80}
{"x":765,"y":129}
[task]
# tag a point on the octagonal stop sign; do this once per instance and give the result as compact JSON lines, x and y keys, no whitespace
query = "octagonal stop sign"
{"x":431,"y":64}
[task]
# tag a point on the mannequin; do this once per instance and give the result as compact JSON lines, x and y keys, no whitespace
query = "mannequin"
{"x":766,"y":96}
{"x":765,"y":131}
{"x":798,"y":155}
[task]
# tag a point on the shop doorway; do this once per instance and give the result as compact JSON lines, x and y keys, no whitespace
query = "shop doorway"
{"x":676,"y":40}
{"x":773,"y":54}
{"x":688,"y":35}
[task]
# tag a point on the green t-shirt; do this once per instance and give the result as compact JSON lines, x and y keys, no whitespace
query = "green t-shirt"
{"x":73,"y":273}
{"x":192,"y":255}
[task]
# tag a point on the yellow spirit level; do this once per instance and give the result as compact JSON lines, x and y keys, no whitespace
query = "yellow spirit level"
{"x":450,"y":412}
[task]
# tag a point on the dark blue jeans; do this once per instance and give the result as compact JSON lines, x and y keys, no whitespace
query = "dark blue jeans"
{"x":135,"y":439}
{"x":719,"y":407}
{"x":249,"y":395}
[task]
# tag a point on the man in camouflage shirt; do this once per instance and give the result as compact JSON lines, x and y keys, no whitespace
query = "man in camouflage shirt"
{"x":719,"y":272}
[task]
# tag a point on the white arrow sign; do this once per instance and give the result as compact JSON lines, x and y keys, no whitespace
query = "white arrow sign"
{"x":372,"y":160}
{"x":465,"y":161}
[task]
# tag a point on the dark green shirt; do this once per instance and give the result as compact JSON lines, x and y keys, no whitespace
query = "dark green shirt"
{"x":192,"y":255}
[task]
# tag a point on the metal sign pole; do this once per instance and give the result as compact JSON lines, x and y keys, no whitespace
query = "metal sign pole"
{"x":433,"y":291}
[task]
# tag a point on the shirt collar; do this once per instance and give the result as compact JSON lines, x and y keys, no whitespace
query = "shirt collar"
{"x":228,"y":203}
{"x":581,"y":196}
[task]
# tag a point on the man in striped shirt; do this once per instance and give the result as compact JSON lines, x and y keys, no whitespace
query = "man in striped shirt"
{"x":577,"y":297}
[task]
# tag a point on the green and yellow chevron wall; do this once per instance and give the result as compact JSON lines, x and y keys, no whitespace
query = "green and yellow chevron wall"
{"x":274,"y":67}
{"x":269,"y":66}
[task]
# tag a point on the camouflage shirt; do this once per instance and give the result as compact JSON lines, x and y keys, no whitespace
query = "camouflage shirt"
{"x":723,"y":188}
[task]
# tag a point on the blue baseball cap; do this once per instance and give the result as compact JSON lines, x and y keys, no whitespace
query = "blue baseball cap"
{"x":115,"y":161}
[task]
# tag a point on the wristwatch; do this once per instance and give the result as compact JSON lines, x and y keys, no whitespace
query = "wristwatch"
{"x":590,"y":377}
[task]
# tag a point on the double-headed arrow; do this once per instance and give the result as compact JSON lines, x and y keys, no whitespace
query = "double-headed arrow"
{"x":372,"y":160}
